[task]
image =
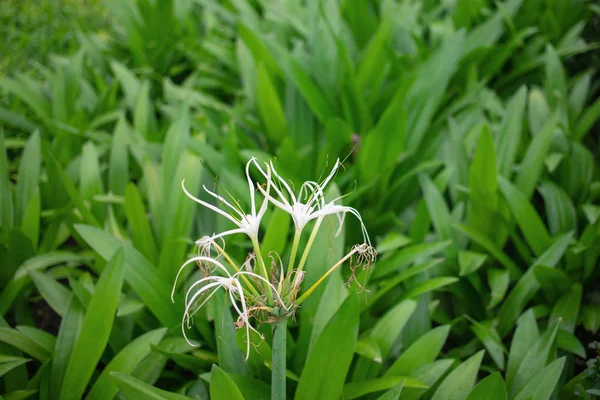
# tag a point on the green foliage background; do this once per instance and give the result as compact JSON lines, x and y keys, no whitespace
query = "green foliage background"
{"x":469,"y":134}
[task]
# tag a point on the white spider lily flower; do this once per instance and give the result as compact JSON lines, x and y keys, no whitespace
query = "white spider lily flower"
{"x":246,"y":223}
{"x":315,"y":205}
{"x":230,"y":283}
{"x":313,"y":192}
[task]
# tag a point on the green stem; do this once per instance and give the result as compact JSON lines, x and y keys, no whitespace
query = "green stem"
{"x":278,"y":366}
{"x":311,"y":239}
{"x":235,"y":267}
{"x":294,"y":249}
{"x":263,"y":270}
{"x":317,"y":283}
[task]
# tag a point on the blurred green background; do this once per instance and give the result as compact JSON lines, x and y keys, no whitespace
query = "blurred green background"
{"x":469,"y":135}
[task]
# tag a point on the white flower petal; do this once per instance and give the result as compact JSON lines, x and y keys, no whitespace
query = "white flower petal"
{"x":207,"y":205}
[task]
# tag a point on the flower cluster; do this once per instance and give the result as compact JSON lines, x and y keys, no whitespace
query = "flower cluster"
{"x":255,"y":290}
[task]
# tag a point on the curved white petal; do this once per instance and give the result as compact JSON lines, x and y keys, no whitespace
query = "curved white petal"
{"x":285,"y":206}
{"x":207,"y":205}
{"x":285,"y":184}
{"x":222,"y":200}
{"x":275,"y":188}
{"x":251,"y":185}
{"x":230,"y":232}
{"x":330,"y":209}
{"x":201,"y":281}
{"x":265,"y":203}
{"x":193,"y":259}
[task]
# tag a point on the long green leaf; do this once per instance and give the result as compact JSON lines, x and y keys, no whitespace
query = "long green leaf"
{"x":341,"y":332}
{"x":95,"y":329}
{"x":140,"y":274}
{"x":124,"y":362}
{"x":459,"y":382}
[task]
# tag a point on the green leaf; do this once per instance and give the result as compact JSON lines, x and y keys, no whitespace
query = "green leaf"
{"x":529,"y":221}
{"x":8,"y":363}
{"x":483,"y":184}
{"x":140,"y":274}
{"x":496,"y":252}
{"x":231,"y":357}
{"x":510,"y":133}
{"x":407,"y":256}
{"x":252,"y":389}
{"x":73,"y":193}
{"x":534,"y":360}
{"x":124,"y":362}
{"x":528,"y":286}
{"x":542,"y":384}
{"x":128,"y":81}
{"x":389,"y":327}
{"x":296,"y":73}
{"x":498,"y":281}
{"x":470,"y":261}
{"x":141,"y":233}
{"x":355,"y":390}
{"x":437,"y":207}
{"x":276,"y":234}
{"x":569,"y":342}
{"x":30,"y":92}
{"x":269,"y":106}
{"x":118,"y":170}
{"x":486,"y":34}
{"x":370,"y":67}
{"x":134,"y":389}
{"x":340,"y":333}
{"x":70,"y":326}
{"x":393,"y":393}
{"x":587,"y":120}
{"x":556,"y":85}
{"x":492,"y":342}
{"x":590,"y":315}
{"x":95,"y":330}
{"x":174,"y":146}
{"x":459,"y":382}
{"x":19,"y":394}
{"x":259,"y":51}
{"x":384,"y":144}
{"x":429,"y":374}
{"x":56,"y":295}
{"x":566,"y":309}
{"x":560,"y":210}
{"x":31,"y":219}
{"x":552,"y":279}
{"x":368,"y":347}
{"x":29,"y":176}
{"x":222,"y":387}
{"x":90,"y":179}
{"x":22,"y":342}
{"x":490,"y":388}
{"x":389,"y":284}
{"x":430,"y":86}
{"x":428,"y":286}
{"x":538,"y":110}
{"x":6,"y":195}
{"x":143,"y":114}
{"x":423,"y":351}
{"x":532,"y":164}
{"x":43,"y":261}
{"x":526,"y":335}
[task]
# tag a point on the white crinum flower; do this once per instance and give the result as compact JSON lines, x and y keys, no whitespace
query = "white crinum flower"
{"x":211,"y":284}
{"x":246,"y":223}
{"x":314,"y":205}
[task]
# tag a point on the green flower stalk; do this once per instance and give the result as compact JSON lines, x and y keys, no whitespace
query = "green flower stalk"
{"x":267,"y":295}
